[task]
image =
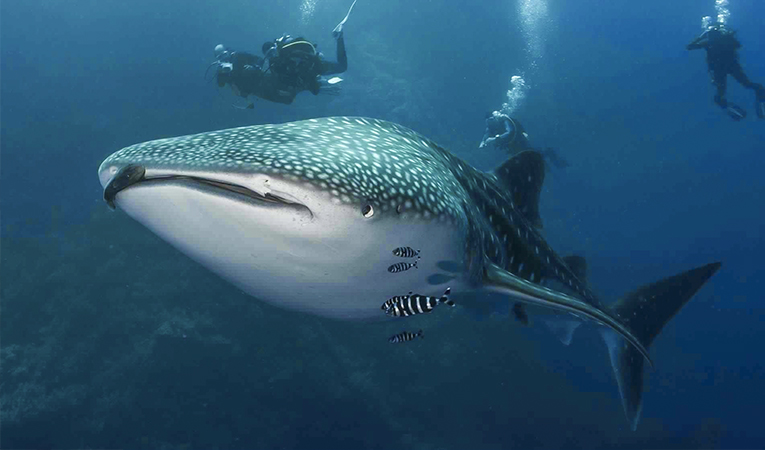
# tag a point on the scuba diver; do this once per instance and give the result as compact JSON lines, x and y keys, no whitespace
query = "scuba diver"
{"x":243,"y":71}
{"x":722,"y":60}
{"x":508,"y":134}
{"x":505,"y":133}
{"x":289,"y":65}
{"x":297,"y":62}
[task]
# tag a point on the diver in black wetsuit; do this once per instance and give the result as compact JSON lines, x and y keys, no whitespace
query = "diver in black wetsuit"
{"x":722,"y":60}
{"x":505,"y":133}
{"x":288,"y":66}
{"x":299,"y":65}
{"x":243,"y":71}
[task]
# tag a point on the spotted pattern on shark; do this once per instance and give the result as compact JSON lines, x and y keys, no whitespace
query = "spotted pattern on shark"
{"x":319,"y":152}
{"x":500,"y":229}
{"x":413,"y":182}
{"x":526,"y":253}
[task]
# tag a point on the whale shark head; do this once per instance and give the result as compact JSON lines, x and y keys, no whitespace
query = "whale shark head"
{"x":304,"y":215}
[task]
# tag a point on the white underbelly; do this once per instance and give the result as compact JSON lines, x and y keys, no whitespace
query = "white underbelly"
{"x":343,"y":277}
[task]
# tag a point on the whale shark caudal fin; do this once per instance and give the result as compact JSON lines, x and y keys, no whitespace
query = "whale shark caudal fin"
{"x":630,"y":324}
{"x":522,"y":176}
{"x":645,"y":312}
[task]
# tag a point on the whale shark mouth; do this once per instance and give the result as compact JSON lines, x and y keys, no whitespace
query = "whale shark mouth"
{"x":134,"y":174}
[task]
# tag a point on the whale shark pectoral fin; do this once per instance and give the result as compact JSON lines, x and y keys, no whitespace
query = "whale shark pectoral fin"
{"x":500,"y":280}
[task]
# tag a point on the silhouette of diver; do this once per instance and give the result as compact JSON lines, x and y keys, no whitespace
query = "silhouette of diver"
{"x":722,"y":60}
{"x":507,"y":133}
{"x":289,"y":66}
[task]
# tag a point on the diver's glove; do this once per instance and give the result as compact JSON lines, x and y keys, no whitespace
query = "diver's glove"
{"x":759,"y":103}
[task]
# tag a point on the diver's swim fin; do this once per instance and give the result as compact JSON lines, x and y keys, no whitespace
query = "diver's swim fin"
{"x":330,"y":86}
{"x":338,"y":31}
{"x":759,"y":100}
{"x":759,"y":106}
{"x":735,"y":112}
{"x":250,"y":105}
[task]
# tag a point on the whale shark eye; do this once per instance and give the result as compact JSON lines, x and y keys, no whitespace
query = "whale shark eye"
{"x":367,"y":211}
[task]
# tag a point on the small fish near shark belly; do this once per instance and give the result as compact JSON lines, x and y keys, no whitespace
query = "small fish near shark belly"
{"x":406,"y":252}
{"x":411,"y":304}
{"x":405,"y":336}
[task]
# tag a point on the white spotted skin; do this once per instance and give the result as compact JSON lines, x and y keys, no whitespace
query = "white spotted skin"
{"x":324,"y":257}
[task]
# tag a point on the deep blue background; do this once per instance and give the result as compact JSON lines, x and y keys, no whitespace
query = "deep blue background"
{"x":661,"y":181}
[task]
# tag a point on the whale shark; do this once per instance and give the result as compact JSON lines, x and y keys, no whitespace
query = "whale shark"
{"x":337,"y":216}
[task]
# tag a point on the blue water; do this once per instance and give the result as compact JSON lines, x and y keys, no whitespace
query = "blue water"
{"x":112,"y":339}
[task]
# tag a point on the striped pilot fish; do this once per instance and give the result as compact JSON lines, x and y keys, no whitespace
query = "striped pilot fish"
{"x":406,"y":252}
{"x":402,"y":266}
{"x":405,"y":337}
{"x":417,"y":304}
{"x":393,"y":300}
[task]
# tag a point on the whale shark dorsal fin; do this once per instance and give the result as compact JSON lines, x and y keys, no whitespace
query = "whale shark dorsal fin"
{"x":578,"y":265}
{"x":522,"y":176}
